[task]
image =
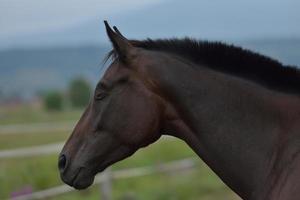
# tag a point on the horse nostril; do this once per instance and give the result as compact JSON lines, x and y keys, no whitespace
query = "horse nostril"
{"x":62,"y":163}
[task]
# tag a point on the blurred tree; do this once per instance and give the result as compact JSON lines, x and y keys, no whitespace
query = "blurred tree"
{"x":53,"y":101}
{"x":79,"y":92}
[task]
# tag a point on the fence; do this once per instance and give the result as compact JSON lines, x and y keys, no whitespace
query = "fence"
{"x":41,"y":127}
{"x":31,"y":151}
{"x":105,"y":178}
{"x":38,"y":150}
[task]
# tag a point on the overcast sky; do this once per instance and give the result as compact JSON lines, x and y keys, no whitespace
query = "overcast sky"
{"x":64,"y":22}
{"x":26,"y":16}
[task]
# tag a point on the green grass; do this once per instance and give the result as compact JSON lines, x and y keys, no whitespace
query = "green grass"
{"x":29,"y":115}
{"x":41,"y":172}
{"x":194,"y":185}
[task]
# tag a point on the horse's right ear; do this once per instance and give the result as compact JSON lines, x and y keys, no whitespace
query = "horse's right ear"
{"x":120,"y":44}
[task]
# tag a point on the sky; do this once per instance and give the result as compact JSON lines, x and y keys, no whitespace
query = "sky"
{"x":29,"y":16}
{"x":59,"y":23}
{"x":67,"y":22}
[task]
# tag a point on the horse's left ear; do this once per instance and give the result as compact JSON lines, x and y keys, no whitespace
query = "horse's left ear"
{"x":120,"y":43}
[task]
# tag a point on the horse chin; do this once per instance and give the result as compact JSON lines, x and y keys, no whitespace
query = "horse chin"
{"x":83,"y":180}
{"x":85,"y":176}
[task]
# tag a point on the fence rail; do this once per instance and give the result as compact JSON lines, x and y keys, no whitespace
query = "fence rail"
{"x":39,"y":150}
{"x":105,"y":179}
{"x":31,"y":151}
{"x":41,"y":127}
{"x":174,"y":166}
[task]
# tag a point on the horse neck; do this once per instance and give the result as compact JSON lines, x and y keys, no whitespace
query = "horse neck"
{"x":230,"y":123}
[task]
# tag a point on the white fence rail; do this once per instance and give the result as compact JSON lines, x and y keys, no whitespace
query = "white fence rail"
{"x":38,"y":150}
{"x":41,"y":127}
{"x":105,"y":179}
{"x":31,"y":151}
{"x":174,"y":166}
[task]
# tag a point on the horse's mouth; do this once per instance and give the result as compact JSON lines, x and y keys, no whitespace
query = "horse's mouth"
{"x":73,"y":181}
{"x":82,"y":179}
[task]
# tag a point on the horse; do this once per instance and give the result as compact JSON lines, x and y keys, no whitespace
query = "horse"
{"x":238,"y":110}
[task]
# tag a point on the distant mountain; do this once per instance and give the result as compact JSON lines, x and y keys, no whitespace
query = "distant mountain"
{"x":24,"y":72}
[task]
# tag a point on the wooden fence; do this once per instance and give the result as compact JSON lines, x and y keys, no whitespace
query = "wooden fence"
{"x":41,"y":127}
{"x":106,"y":179}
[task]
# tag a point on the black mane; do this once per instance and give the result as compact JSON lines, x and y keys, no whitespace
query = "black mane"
{"x":232,"y":60}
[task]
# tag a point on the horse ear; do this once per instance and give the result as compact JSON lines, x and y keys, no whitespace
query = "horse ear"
{"x":117,"y":31}
{"x":120,"y":44}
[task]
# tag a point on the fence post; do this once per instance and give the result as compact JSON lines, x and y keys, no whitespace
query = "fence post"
{"x":106,"y":185}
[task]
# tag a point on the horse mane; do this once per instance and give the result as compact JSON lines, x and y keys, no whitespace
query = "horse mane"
{"x":231,"y":60}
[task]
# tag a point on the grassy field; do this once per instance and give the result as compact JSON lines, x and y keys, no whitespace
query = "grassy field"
{"x":24,"y":115}
{"x":41,"y":172}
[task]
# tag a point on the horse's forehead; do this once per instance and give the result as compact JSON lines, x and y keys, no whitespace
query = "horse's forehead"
{"x":115,"y":70}
{"x":118,"y":69}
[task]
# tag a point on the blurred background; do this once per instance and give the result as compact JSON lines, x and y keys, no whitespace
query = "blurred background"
{"x":51,"y":54}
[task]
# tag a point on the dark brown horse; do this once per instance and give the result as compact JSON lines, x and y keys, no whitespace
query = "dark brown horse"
{"x":238,"y":110}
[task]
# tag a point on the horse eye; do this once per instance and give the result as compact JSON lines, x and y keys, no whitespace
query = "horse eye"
{"x":100,"y":95}
{"x":123,"y":80}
